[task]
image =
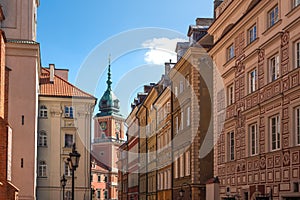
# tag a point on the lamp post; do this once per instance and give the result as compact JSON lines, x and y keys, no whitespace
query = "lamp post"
{"x":181,"y":191}
{"x":73,"y":161}
{"x":63,"y":182}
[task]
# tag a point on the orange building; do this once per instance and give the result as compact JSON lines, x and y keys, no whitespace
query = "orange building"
{"x":257,"y":52}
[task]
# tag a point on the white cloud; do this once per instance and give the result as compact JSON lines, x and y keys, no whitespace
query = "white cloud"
{"x":161,"y":50}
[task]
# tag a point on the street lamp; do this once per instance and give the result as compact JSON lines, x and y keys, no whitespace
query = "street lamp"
{"x":63,"y":182}
{"x":73,"y":161}
{"x":181,"y":191}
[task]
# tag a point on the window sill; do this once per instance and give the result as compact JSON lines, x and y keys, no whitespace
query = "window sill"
{"x":270,"y":28}
{"x":293,"y":10}
{"x":43,"y":146}
{"x":229,"y":61}
{"x":43,"y":117}
{"x":251,"y":43}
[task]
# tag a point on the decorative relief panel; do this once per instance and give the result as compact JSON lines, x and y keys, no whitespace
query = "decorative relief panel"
{"x":261,"y":58}
{"x":277,"y":160}
{"x":286,"y":158}
{"x":270,"y":162}
{"x":295,"y":157}
{"x":285,"y":53}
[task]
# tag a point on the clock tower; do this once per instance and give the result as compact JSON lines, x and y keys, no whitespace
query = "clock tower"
{"x":108,"y":127}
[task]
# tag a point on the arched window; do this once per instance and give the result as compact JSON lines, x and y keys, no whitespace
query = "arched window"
{"x":43,"y":111}
{"x":42,"y":142}
{"x":42,"y":169}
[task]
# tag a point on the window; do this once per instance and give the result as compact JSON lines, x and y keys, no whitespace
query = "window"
{"x":297,"y":125}
{"x":230,"y":52}
{"x":105,"y":194}
{"x":181,"y":165}
{"x":275,"y":132}
{"x":176,"y":124}
{"x":68,"y":195}
{"x":252,"y":81}
{"x":296,"y":3}
{"x":105,"y":178}
{"x":297,"y":51}
{"x":68,"y":140}
{"x":273,"y":16}
{"x":181,"y":87}
{"x":42,"y":142}
{"x":98,"y":194}
{"x":187,"y":80}
{"x":42,"y":169}
{"x":99,"y":178}
{"x":188,"y":116}
{"x":253,"y":139}
{"x":187,"y":163}
{"x":231,"y":146}
{"x":68,"y":171}
{"x":230,"y":94}
{"x":43,"y":111}
{"x":252,"y":34}
{"x":274,"y":68}
{"x":175,"y":91}
{"x":69,"y":111}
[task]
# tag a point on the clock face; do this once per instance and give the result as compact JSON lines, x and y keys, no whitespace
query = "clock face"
{"x":103,"y":125}
{"x":118,"y":126}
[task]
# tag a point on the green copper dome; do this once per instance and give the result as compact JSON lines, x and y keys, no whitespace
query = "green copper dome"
{"x":109,"y":104}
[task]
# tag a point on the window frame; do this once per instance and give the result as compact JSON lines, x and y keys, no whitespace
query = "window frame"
{"x":295,"y":3}
{"x":43,"y":111}
{"x":253,"y":139}
{"x":231,"y":146}
{"x":67,"y":170}
{"x":297,"y":53}
{"x":42,"y":169}
{"x":252,"y":81}
{"x":230,"y":52}
{"x":252,"y":31}
{"x":43,"y":140}
{"x":230,"y":94}
{"x":69,"y":112}
{"x":67,"y":145}
{"x":274,"y":68}
{"x":277,"y":133}
{"x":187,"y":163}
{"x":297,"y":125}
{"x":272,"y":20}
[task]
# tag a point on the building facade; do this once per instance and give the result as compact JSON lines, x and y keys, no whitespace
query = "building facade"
{"x":108,"y":137}
{"x":65,"y":115}
{"x":256,"y":51}
{"x":23,"y":58}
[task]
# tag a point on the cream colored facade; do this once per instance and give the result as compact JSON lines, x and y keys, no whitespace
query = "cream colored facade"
{"x":58,"y":129}
{"x":23,"y":58}
{"x":256,"y":50}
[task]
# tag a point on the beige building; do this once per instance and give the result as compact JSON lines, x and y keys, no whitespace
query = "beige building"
{"x":23,"y":58}
{"x":65,"y":115}
{"x":257,"y":52}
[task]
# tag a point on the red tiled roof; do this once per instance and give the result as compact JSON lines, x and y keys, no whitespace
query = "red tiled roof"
{"x":59,"y":87}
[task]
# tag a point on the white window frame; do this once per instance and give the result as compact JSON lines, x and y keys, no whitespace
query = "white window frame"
{"x":252,"y":34}
{"x":297,"y":53}
{"x":42,"y":169}
{"x":181,"y":120}
{"x":252,"y":81}
{"x":176,"y":124}
{"x":176,"y":168}
{"x":230,"y":94}
{"x":297,"y":125}
{"x":230,"y":52}
{"x":43,"y":111}
{"x":253,"y":139}
{"x":275,"y":132}
{"x":67,"y":170}
{"x":273,"y":16}
{"x":176,"y":91}
{"x":69,"y":111}
{"x":42,"y":142}
{"x":231,"y":147}
{"x":181,"y":87}
{"x":274,"y":71}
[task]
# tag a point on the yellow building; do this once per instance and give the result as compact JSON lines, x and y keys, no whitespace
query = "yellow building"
{"x":65,"y":114}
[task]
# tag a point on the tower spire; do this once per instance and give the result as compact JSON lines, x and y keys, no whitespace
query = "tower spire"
{"x":109,"y":82}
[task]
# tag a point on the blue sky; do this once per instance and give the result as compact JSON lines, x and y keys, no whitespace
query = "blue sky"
{"x":79,"y":35}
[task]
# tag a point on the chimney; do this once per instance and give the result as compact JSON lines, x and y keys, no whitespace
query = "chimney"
{"x":216,"y":5}
{"x":52,"y":71}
